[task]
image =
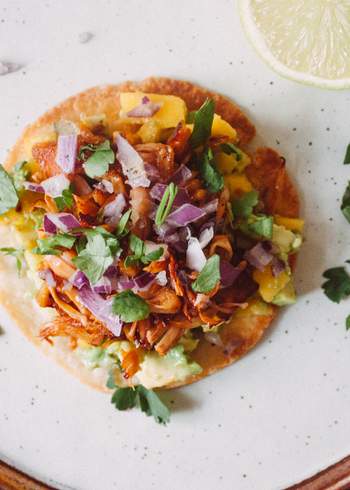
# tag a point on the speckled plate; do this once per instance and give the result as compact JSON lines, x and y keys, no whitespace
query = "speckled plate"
{"x":281,"y":413}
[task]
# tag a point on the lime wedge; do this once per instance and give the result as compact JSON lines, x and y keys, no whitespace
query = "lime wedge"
{"x":303,"y":40}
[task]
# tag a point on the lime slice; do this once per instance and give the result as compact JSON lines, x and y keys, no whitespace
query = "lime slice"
{"x":304,"y":40}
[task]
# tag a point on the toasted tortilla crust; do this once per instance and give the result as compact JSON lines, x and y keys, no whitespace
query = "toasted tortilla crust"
{"x":278,"y":194}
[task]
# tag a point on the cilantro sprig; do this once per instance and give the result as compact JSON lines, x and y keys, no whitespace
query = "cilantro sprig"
{"x":165,"y":204}
{"x":140,"y":397}
{"x":17,"y":253}
{"x":209,"y":276}
{"x":231,"y":149}
{"x":137,"y":246}
{"x":202,"y":123}
{"x":213,"y":179}
{"x":130,"y":307}
{"x":345,"y":204}
{"x":20,"y":174}
{"x":337,"y":286}
{"x":65,"y":201}
{"x":98,"y":254}
{"x":98,"y":163}
{"x":50,"y":245}
{"x":8,"y":194}
{"x":244,"y":206}
{"x":347,"y":156}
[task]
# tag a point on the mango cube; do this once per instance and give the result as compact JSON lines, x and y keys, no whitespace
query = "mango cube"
{"x":173,"y":109}
{"x":294,"y":224}
{"x":269,"y":285}
{"x":237,"y":184}
{"x":221,"y":127}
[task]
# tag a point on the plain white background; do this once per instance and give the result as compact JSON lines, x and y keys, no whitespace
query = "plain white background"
{"x":281,"y":413}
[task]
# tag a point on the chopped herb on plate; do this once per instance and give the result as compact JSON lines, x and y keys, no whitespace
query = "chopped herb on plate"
{"x":130,"y":307}
{"x":165,"y":204}
{"x":213,"y":179}
{"x":202,"y":123}
{"x":98,"y":163}
{"x":337,"y":286}
{"x":8,"y":194}
{"x":209,"y":276}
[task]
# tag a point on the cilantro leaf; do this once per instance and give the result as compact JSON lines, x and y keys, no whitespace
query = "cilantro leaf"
{"x":151,"y":404}
{"x":121,"y":227}
{"x":209,"y":276}
{"x":124,"y":398}
{"x":202,"y":123}
{"x":347,"y":156}
{"x":337,"y":286}
{"x":155,"y":255}
{"x":345,"y":205}
{"x":17,"y":253}
{"x":98,"y":163}
{"x":165,"y":204}
{"x":213,"y":179}
{"x":20,"y":174}
{"x":8,"y":194}
{"x":65,"y":201}
{"x":244,"y":206}
{"x":130,"y":307}
{"x":139,"y":396}
{"x":347,"y":322}
{"x":230,"y":148}
{"x":111,"y":381}
{"x":48,"y":245}
{"x":98,"y":255}
{"x":262,"y":226}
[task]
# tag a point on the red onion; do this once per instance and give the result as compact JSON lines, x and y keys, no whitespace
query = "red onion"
{"x":181,"y":175}
{"x":113,"y":210}
{"x":105,"y":186}
{"x":278,"y":266}
{"x":81,"y":187}
{"x":54,"y":186}
{"x":47,"y":276}
{"x":101,"y":309}
{"x":211,"y":207}
{"x":67,"y":146}
{"x":185,"y":214}
{"x":181,"y":197}
{"x":145,"y":109}
{"x":105,"y":286}
{"x":206,"y":236}
{"x":228,"y":273}
{"x":161,"y":278}
{"x":60,"y":221}
{"x":195,"y":258}
{"x":138,"y":283}
{"x":152,"y":172}
{"x":259,"y":256}
{"x":79,"y":279}
{"x":132,"y":164}
{"x":30,"y":186}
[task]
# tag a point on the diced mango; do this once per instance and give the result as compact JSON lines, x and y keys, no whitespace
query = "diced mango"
{"x":228,"y":163}
{"x":172,"y":111}
{"x":221,"y":127}
{"x":237,"y":183}
{"x":294,"y":224}
{"x":269,"y":285}
{"x":150,"y":132}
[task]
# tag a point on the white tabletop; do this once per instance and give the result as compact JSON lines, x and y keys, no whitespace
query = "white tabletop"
{"x":281,"y":413}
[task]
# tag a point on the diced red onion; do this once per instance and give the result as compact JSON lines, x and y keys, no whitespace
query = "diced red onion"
{"x":185,"y":214}
{"x":79,"y":279}
{"x":161,"y":278}
{"x":211,"y":207}
{"x":113,"y":210}
{"x":259,"y":256}
{"x":67,"y":146}
{"x":181,"y":197}
{"x":81,"y":187}
{"x":195,"y":258}
{"x":54,"y":186}
{"x":145,"y":109}
{"x":132,"y":164}
{"x":181,"y":175}
{"x":125,"y":283}
{"x":152,"y":172}
{"x":47,"y":276}
{"x":206,"y":236}
{"x":61,"y":221}
{"x":143,"y":281}
{"x":228,"y":273}
{"x":278,"y":266}
{"x":30,"y":186}
{"x":101,"y":308}
{"x":104,"y":286}
{"x":105,"y":186}
{"x":214,"y":338}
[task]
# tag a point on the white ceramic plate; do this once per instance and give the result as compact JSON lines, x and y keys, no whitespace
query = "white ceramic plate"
{"x":281,"y":413}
